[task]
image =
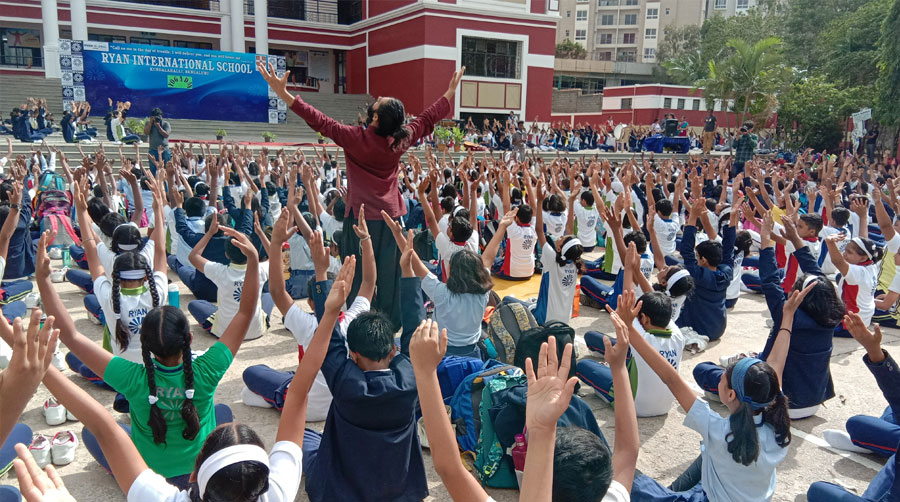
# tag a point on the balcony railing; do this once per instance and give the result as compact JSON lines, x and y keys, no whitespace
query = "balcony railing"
{"x":317,"y":11}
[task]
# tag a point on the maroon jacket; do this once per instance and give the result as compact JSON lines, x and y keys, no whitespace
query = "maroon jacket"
{"x":371,"y":163}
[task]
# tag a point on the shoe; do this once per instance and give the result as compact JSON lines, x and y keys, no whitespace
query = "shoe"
{"x":32,"y":300}
{"x":94,"y":320}
{"x":59,"y":362}
{"x":63,"y":447}
{"x":587,"y":301}
{"x":70,"y":417}
{"x":121,"y":404}
{"x":770,"y":323}
{"x":726,"y":361}
{"x":251,"y":398}
{"x":54,"y":413}
{"x":40,"y":450}
{"x":55,"y":253}
{"x":58,"y":275}
{"x":841,"y":440}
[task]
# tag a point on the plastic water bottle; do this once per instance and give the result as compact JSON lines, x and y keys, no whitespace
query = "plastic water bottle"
{"x":518,"y":455}
{"x":66,"y":257}
{"x":174,"y":296}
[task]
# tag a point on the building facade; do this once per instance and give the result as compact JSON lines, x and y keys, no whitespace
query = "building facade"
{"x":642,"y":104}
{"x":402,"y":48}
{"x":728,"y":8}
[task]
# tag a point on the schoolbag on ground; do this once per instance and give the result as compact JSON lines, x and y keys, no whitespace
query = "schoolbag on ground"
{"x":466,"y":402}
{"x":453,"y":370}
{"x":508,"y":321}
{"x":493,"y":463}
{"x":52,"y":206}
{"x":529,"y":343}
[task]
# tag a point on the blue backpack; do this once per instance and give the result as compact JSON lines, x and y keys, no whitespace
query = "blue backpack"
{"x":466,"y":402}
{"x":453,"y":370}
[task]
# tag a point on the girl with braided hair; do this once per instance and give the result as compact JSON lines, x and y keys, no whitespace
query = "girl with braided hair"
{"x":170,"y":392}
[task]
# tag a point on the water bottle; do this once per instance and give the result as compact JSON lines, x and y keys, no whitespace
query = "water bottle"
{"x":66,"y":257}
{"x":174,"y":295}
{"x":518,"y":455}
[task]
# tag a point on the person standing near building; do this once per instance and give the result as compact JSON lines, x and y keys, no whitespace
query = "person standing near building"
{"x":871,"y":140}
{"x":372,"y":154}
{"x":158,"y":131}
{"x":518,"y":142}
{"x":744,"y":146}
{"x":709,"y":132}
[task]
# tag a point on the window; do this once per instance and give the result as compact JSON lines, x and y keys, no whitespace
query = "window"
{"x":194,"y":45}
{"x":630,"y":19}
{"x":588,"y":85}
{"x":743,"y":4}
{"x":628,"y":38}
{"x":567,"y":34}
{"x":484,"y":57}
{"x":696,"y":105}
{"x":720,"y":4}
{"x":626,"y":104}
{"x":607,"y":20}
{"x":608,"y":3}
{"x":631,"y":2}
{"x":568,"y":13}
{"x":650,"y":34}
{"x":580,"y":35}
{"x":606,"y":38}
{"x":105,"y":38}
{"x":21,"y":47}
{"x":649,"y":53}
{"x":581,"y":15}
{"x":604,"y":56}
{"x":681,"y":103}
{"x":652,"y":13}
{"x":667,"y":103}
{"x":627,"y":57}
{"x":583,"y":1}
{"x":668,"y":10}
{"x":148,"y":41}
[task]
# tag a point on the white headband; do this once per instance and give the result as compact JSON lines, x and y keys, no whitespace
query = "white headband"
{"x":569,"y":245}
{"x":859,"y":243}
{"x":457,"y":209}
{"x":130,"y":223}
{"x":131,"y":275}
{"x":228,"y":456}
{"x":809,"y":279}
{"x":677,"y":276}
{"x":128,"y":247}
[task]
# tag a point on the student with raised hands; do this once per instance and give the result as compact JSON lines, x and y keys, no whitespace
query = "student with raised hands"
{"x":232,"y":463}
{"x":170,"y":392}
{"x":858,"y":266}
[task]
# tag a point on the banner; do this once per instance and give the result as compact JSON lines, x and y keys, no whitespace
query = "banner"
{"x":185,"y":83}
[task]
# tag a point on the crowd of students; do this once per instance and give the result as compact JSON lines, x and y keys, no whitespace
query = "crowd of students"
{"x":228,"y":222}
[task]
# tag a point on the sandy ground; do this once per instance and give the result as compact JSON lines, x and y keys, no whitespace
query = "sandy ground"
{"x":667,"y":447}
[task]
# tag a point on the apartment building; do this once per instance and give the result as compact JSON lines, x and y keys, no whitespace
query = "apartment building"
{"x":728,"y":8}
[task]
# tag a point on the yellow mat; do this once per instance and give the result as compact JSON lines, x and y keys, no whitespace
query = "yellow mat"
{"x":522,"y":290}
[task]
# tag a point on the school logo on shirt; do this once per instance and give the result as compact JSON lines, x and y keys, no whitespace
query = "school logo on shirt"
{"x":238,"y":288}
{"x":170,"y":402}
{"x":137,"y":318}
{"x":528,"y":242}
{"x":568,"y":280}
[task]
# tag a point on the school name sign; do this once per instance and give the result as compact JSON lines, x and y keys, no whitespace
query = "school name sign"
{"x":186,"y":83}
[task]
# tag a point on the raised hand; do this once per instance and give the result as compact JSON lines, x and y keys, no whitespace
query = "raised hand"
{"x":42,"y":260}
{"x":796,"y":298}
{"x":279,"y":85}
{"x":454,"y":83}
{"x":549,"y":388}
{"x":341,"y":286}
{"x":283,"y":230}
{"x":870,"y":340}
{"x":317,"y":251}
{"x":616,"y":354}
{"x":240,"y":240}
{"x":361,"y":229}
{"x":37,"y":485}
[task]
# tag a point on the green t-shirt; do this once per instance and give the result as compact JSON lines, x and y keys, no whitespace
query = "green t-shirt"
{"x":176,"y":456}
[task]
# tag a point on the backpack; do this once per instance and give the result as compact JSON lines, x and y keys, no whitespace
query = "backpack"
{"x":529,"y":343}
{"x":507,"y":323}
{"x":53,"y":209}
{"x":466,"y":401}
{"x":452,"y":370}
{"x":493,"y":464}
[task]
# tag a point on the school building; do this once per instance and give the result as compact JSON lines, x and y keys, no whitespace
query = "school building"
{"x":402,"y":48}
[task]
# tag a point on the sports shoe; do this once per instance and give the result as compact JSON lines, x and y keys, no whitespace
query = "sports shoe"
{"x":58,"y":275}
{"x":251,"y":398}
{"x":841,"y":440}
{"x":70,"y":417}
{"x":32,"y":300}
{"x":55,"y":253}
{"x":727,"y":361}
{"x":59,"y":362}
{"x":40,"y":450}
{"x":63,"y":447}
{"x":54,"y":413}
{"x":587,"y":301}
{"x":91,"y":317}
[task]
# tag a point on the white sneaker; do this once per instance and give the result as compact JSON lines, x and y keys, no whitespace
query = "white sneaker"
{"x":841,"y":440}
{"x":93,"y":319}
{"x":54,"y":413}
{"x":70,"y":417}
{"x":5,"y":354}
{"x":59,"y":362}
{"x":32,"y":300}
{"x":251,"y":398}
{"x":726,"y":361}
{"x":40,"y":450}
{"x":58,"y":275}
{"x":55,"y":253}
{"x":63,"y":447}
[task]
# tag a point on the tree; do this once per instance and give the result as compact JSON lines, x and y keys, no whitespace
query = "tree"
{"x":756,"y":72}
{"x":568,"y":49}
{"x":814,"y":112}
{"x":755,"y":25}
{"x":887,"y":101}
{"x":678,"y":41}
{"x":850,"y":40}
{"x":803,"y":23}
{"x":686,"y":68}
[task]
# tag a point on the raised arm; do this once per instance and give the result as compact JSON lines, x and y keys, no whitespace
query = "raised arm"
{"x":281,"y":232}
{"x":12,"y":219}
{"x":196,"y":256}
{"x":234,"y":334}
{"x":369,"y":270}
{"x":837,"y":258}
{"x":778,"y":354}
{"x":490,"y":251}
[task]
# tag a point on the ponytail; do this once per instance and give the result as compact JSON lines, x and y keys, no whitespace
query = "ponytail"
{"x":743,"y":443}
{"x":122,"y":333}
{"x":758,"y":391}
{"x":156,"y":422}
{"x":154,"y":293}
{"x":777,"y":416}
{"x":188,"y":410}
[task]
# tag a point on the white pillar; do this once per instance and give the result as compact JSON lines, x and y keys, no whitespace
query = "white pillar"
{"x":237,"y":26}
{"x":79,"y":19}
{"x":261,"y":25}
{"x":225,"y":40}
{"x":51,"y":38}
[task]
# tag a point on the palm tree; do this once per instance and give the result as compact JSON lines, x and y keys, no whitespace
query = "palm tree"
{"x":717,"y":86}
{"x":755,"y":71}
{"x":686,"y":68}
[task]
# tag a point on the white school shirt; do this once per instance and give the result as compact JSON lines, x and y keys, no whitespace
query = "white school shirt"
{"x":447,"y":248}
{"x":132,"y":310}
{"x":330,"y":224}
{"x":858,"y":290}
{"x":459,"y":314}
{"x":734,"y":288}
{"x":301,"y":255}
{"x":285,"y":470}
{"x":555,"y":224}
{"x":722,"y":477}
{"x":303,"y":326}
{"x":444,"y":223}
{"x":498,"y":203}
{"x":557,"y":290}
{"x":108,"y":257}
{"x":587,"y":219}
{"x":520,"y":240}
{"x":653,"y":396}
{"x":666,"y":231}
{"x":229,"y":280}
{"x":893,"y":245}
{"x":827,"y":266}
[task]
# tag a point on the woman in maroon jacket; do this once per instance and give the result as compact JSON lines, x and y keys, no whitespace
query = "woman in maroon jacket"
{"x":372,"y":154}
